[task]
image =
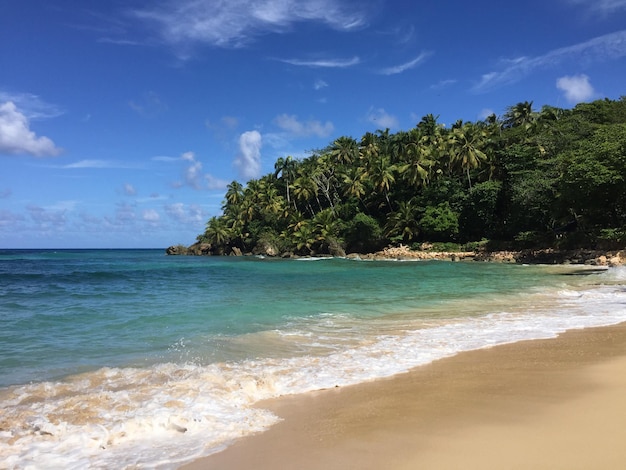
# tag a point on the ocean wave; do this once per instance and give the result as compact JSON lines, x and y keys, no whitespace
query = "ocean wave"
{"x":168,"y":413}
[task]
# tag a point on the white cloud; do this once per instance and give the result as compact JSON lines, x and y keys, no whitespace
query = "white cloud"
{"x":150,"y":215}
{"x":124,"y":215}
{"x":576,"y":88}
{"x":164,"y":158}
{"x":443,"y":84}
{"x":290,"y":124}
{"x":382,"y":119}
{"x":193,"y":172}
{"x":183,"y":214}
{"x":407,"y":65}
{"x":608,"y":47}
{"x":235,"y":23}
{"x":323,"y":63}
{"x":48,"y":218}
{"x":10,"y":220}
{"x":319,"y":84}
{"x":94,"y":164}
{"x":129,"y":189}
{"x":195,"y":177}
{"x":248,"y":162}
{"x":16,"y":136}
{"x":214,"y":183}
{"x":31,"y":106}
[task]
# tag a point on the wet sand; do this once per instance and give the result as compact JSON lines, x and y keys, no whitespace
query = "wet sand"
{"x":544,"y":404}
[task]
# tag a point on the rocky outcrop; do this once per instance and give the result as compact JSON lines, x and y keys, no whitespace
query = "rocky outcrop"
{"x":197,"y":249}
{"x":405,"y":253}
{"x":547,"y":256}
{"x":176,"y":250}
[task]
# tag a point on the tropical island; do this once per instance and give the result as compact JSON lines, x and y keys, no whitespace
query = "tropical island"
{"x":547,"y":185}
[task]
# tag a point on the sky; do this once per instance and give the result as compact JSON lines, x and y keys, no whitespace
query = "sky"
{"x":122,"y":121}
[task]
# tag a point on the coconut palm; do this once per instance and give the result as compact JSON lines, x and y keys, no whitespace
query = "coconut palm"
{"x":468,"y":141}
{"x":286,"y":167}
{"x":403,"y":222}
{"x":521,"y":114}
{"x":217,"y":233}
{"x":345,"y":150}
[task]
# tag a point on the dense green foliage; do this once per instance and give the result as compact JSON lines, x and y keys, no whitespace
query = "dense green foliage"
{"x":554,"y":177}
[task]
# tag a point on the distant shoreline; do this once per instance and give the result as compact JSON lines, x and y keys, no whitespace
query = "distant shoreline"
{"x":404,"y":253}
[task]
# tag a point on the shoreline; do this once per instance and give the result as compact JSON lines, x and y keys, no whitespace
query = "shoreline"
{"x":554,"y":403}
{"x":404,"y":253}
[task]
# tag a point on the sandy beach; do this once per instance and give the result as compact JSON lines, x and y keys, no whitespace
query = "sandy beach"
{"x":544,"y":404}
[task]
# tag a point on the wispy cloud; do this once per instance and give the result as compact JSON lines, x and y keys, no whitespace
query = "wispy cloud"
{"x":119,"y":42}
{"x":31,"y":105}
{"x":149,"y":105}
{"x":319,"y":84}
{"x":165,"y":158}
{"x":323,"y":63}
{"x":602,"y":48}
{"x":601,"y":6}
{"x":129,"y":189}
{"x":235,"y":23}
{"x":297,"y":128}
{"x":96,"y":164}
{"x":195,"y":177}
{"x":407,"y":65}
{"x":440,"y":85}
{"x":185,"y":214}
{"x":382,"y":119}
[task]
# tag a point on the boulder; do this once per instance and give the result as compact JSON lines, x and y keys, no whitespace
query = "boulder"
{"x":176,"y":250}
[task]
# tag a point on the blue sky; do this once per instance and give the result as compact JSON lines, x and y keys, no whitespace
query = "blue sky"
{"x":121,"y":122}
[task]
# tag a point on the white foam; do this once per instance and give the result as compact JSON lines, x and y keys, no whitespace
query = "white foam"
{"x":161,"y":416}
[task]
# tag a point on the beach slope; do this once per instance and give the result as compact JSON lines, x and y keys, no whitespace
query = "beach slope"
{"x":544,"y":404}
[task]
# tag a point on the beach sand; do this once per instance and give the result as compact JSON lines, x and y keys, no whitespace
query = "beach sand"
{"x":544,"y":404}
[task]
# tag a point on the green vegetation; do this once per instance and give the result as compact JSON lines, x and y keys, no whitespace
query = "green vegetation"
{"x":548,"y":178}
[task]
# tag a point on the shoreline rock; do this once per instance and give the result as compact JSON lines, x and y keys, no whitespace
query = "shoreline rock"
{"x":404,"y":253}
{"x":543,"y":256}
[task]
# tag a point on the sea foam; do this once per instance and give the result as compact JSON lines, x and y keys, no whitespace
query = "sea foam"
{"x":165,"y":414}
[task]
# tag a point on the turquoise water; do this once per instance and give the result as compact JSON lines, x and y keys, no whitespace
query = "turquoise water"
{"x":107,"y":355}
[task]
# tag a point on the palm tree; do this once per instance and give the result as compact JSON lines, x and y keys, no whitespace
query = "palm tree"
{"x":271,"y":202}
{"x":286,"y":167}
{"x":468,"y":141}
{"x":325,"y":226}
{"x":403,"y":222}
{"x":217,"y":233}
{"x":303,"y":237}
{"x":353,"y":184}
{"x":382,"y":175}
{"x":345,"y":150}
{"x":368,"y":147}
{"x":519,"y":115}
{"x":418,"y":164}
{"x":304,"y":189}
{"x":233,"y":197}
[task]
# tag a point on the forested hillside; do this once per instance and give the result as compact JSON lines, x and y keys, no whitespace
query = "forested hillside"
{"x":548,"y":178}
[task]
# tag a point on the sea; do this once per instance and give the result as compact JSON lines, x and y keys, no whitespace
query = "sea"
{"x":132,"y":359}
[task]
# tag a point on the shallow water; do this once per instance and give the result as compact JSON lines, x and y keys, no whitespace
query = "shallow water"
{"x":132,"y":359}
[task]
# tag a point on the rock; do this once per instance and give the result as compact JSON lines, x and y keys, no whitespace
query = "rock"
{"x":176,"y":250}
{"x":235,"y":251}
